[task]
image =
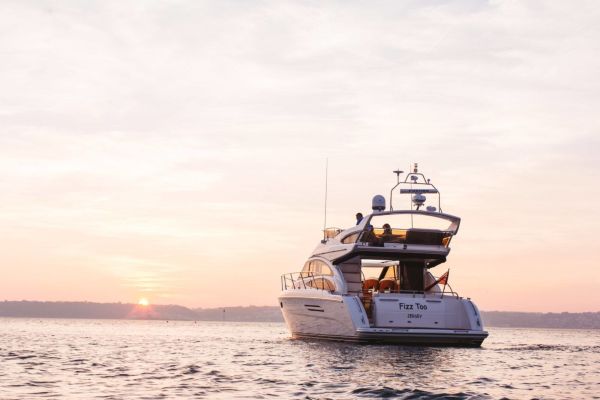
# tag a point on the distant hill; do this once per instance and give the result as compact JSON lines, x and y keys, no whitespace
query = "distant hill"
{"x":59,"y":309}
{"x":588,"y":320}
{"x":48,"y":309}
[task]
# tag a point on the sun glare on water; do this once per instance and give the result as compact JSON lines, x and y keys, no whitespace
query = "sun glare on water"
{"x":143,"y":302}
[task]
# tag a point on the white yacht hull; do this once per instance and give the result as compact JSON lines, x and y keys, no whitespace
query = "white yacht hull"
{"x":323,"y":315}
{"x":396,"y":318}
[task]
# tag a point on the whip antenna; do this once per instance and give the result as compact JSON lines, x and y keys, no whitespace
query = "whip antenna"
{"x":325,"y":217}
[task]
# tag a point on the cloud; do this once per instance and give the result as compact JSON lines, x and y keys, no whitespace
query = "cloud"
{"x":176,"y":123}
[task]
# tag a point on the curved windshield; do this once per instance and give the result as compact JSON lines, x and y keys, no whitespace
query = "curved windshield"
{"x":316,"y":267}
{"x":351,"y":238}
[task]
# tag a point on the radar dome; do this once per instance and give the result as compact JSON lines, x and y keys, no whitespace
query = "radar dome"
{"x":419,"y":199}
{"x":378,"y":203}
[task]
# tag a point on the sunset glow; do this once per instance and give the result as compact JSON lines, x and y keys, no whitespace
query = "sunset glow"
{"x":177,"y":152}
{"x":143,"y":302}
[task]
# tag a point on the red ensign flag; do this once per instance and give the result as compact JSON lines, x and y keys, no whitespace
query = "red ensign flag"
{"x":443,"y":280}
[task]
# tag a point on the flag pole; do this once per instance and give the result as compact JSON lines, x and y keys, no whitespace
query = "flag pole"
{"x":446,"y":282}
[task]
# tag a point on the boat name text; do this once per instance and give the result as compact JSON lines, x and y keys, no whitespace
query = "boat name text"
{"x":416,"y":306}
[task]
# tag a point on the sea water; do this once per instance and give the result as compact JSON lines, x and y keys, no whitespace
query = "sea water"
{"x":106,"y":359}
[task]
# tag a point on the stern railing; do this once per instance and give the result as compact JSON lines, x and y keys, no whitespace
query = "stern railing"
{"x":394,"y":288}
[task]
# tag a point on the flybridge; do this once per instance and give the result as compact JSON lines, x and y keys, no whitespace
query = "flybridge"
{"x":412,"y":231}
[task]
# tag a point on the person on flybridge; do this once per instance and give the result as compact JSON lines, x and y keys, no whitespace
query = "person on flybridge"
{"x":359,"y":218}
{"x":387,"y":229}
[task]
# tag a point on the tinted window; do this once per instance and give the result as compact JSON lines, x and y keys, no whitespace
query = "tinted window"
{"x":316,"y":267}
{"x":322,"y":283}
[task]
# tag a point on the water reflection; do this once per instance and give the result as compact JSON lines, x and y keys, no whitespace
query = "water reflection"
{"x":150,"y":359}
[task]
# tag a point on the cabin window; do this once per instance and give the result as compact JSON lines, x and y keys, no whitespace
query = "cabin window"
{"x":351,"y":238}
{"x":321,"y":283}
{"x":316,"y":267}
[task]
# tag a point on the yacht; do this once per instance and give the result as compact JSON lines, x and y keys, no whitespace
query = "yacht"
{"x":375,"y":282}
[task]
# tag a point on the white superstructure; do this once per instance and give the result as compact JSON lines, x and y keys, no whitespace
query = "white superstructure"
{"x":372,"y":282}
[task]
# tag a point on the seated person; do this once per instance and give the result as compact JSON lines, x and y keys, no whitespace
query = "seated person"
{"x":387,"y":235}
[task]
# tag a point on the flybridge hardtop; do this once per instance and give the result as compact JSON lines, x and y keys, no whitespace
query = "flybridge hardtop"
{"x":372,"y":282}
{"x":410,"y":233}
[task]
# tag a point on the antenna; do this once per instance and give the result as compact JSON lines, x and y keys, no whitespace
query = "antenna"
{"x":325,"y":217}
{"x":397,"y":172}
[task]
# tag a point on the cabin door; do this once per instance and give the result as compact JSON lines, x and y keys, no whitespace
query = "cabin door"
{"x":411,"y":276}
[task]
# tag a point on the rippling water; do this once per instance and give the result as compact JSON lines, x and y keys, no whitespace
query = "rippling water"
{"x":157,"y":359}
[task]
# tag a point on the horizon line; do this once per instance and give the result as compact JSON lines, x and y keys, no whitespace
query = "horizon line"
{"x":252,"y":305}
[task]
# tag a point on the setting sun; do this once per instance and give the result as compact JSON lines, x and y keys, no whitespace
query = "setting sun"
{"x":143,"y":302}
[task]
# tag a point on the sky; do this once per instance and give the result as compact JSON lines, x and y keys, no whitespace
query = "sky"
{"x":176,"y":150}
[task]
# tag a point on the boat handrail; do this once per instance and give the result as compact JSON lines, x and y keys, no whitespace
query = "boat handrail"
{"x":302,"y":280}
{"x":443,"y":293}
{"x":395,"y":288}
{"x":447,"y":292}
{"x":294,"y":278}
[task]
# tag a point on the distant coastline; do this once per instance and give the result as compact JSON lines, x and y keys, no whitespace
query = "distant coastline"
{"x":90,"y":310}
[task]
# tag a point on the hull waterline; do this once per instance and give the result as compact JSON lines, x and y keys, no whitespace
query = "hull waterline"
{"x":404,"y":337}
